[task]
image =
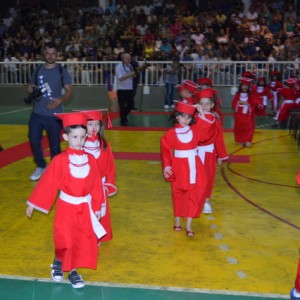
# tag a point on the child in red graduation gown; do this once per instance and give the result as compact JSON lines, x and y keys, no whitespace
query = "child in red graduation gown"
{"x":288,"y":95}
{"x":212,"y":149}
{"x":182,"y":166}
{"x":243,"y":104}
{"x":295,"y":292}
{"x":274,"y":85}
{"x":264,"y":94}
{"x":96,"y":145}
{"x":75,"y":175}
{"x":186,"y":90}
{"x":206,"y":83}
{"x":297,"y":91}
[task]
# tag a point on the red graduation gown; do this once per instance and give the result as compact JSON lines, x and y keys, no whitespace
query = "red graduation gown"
{"x":244,"y":123}
{"x":106,"y":164}
{"x":210,"y":148}
{"x":74,"y":237}
{"x":188,"y":196}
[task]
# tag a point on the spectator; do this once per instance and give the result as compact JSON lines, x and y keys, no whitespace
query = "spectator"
{"x":42,"y":117}
{"x":118,"y":50}
{"x":275,"y":26}
{"x":197,"y":36}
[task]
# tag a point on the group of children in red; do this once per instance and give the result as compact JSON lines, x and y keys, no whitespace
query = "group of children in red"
{"x":252,"y":100}
{"x":84,"y":176}
{"x":191,"y":150}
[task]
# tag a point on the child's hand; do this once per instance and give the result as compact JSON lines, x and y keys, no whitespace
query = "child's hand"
{"x":29,"y":211}
{"x":98,"y":215}
{"x":217,"y":116}
{"x":168,"y":172}
{"x":219,"y":161}
{"x":200,"y":110}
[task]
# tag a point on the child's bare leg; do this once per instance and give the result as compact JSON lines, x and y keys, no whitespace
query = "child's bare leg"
{"x":177,"y":224}
{"x":189,"y":230}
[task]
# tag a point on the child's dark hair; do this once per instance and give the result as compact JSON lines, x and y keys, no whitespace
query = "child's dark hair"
{"x":174,"y":118}
{"x":248,"y":90}
{"x":103,"y":142}
{"x":68,"y":129}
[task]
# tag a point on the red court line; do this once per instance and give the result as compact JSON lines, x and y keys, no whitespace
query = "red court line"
{"x":137,"y":155}
{"x":238,"y":159}
{"x":138,"y":128}
{"x":15,"y":153}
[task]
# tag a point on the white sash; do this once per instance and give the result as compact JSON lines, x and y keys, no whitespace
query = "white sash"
{"x":201,"y":150}
{"x":191,"y":156}
{"x":98,"y":228}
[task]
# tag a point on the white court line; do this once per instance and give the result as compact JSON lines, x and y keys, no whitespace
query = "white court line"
{"x":13,"y":111}
{"x":150,"y":287}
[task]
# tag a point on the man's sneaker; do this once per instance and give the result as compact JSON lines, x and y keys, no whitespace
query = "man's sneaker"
{"x":38,"y":172}
{"x":56,"y":272}
{"x":166,"y":106}
{"x":207,"y":208}
{"x":76,"y":280}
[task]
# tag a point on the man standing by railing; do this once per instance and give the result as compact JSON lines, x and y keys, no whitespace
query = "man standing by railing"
{"x":46,"y":92}
{"x":124,"y":79}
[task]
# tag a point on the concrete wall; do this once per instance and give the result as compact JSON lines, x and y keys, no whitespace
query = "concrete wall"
{"x":96,"y":97}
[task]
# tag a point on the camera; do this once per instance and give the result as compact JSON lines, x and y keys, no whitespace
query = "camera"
{"x":34,"y":96}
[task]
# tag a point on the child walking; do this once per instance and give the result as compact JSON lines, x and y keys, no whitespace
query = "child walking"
{"x":182,"y":167}
{"x":211,"y":148}
{"x":99,"y":147}
{"x":75,"y":175}
{"x":243,"y":104}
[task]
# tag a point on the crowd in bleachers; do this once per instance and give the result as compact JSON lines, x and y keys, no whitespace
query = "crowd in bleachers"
{"x":155,"y":30}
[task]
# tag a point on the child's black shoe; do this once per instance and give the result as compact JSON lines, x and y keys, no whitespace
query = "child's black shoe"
{"x":57,"y":273}
{"x":76,"y":280}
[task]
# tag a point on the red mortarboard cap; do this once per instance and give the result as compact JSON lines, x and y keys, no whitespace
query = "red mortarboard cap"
{"x":185,"y":108}
{"x":180,"y":88}
{"x":248,"y":74}
{"x":290,"y":81}
{"x":245,"y":80}
{"x":74,"y":118}
{"x":205,"y":93}
{"x":275,"y":72}
{"x":261,"y":79}
{"x":204,"y":80}
{"x":189,"y":85}
{"x":95,"y":115}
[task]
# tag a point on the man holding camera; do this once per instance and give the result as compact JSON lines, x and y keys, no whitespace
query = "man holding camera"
{"x":46,"y":92}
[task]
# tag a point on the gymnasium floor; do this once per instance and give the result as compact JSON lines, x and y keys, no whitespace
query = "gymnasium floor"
{"x":246,"y":249}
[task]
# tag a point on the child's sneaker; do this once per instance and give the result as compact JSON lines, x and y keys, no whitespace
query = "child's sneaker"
{"x":207,"y":208}
{"x":294,"y":295}
{"x":57,"y":273}
{"x":76,"y":280}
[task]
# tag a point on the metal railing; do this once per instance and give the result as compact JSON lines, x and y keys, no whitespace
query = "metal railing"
{"x":92,"y":73}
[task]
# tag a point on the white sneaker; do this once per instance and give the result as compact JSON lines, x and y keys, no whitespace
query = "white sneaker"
{"x":166,"y":106}
{"x":248,"y":144}
{"x":207,"y":208}
{"x":38,"y":172}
